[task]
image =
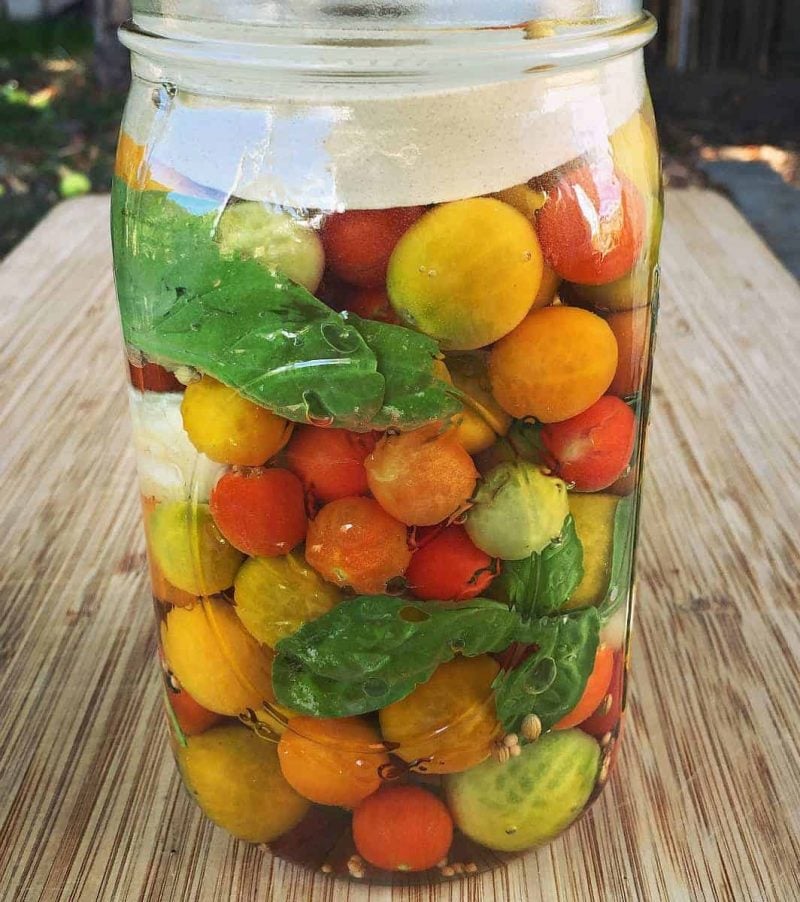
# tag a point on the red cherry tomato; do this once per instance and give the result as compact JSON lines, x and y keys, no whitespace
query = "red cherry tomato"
{"x":606,"y":715}
{"x":373,"y":303}
{"x":595,"y":691}
{"x":152,"y":377}
{"x":449,"y":567}
{"x":591,"y":226}
{"x":591,"y":450}
{"x":358,"y":243}
{"x":192,"y":717}
{"x":402,"y":828}
{"x":330,"y":462}
{"x":261,"y":511}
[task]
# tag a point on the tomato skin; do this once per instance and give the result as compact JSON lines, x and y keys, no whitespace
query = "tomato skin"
{"x":599,"y":723}
{"x":449,"y":567}
{"x":373,"y":303}
{"x":330,"y":462}
{"x":592,"y":450}
{"x":595,"y":691}
{"x":152,"y":377}
{"x":358,"y":243}
{"x":601,"y":250}
{"x":261,"y":512}
{"x":402,"y":828}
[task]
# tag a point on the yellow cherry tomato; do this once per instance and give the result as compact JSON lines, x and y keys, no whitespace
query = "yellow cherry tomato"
{"x":449,"y":723}
{"x":215,"y":659}
{"x":466,"y":272}
{"x":236,"y":779}
{"x":230,"y":429}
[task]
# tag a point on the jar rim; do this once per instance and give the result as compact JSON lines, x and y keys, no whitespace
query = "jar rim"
{"x":386,"y":56}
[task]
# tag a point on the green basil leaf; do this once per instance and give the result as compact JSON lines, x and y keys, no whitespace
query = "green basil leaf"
{"x":414,"y":395}
{"x":623,"y":550}
{"x":542,"y":583}
{"x":551,"y":681}
{"x":182,"y":302}
{"x":366,"y":653}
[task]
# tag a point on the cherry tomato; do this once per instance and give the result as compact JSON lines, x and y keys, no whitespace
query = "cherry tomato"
{"x":373,"y":303}
{"x":421,"y":477}
{"x":358,"y":243}
{"x":592,"y":449}
{"x":192,"y":717}
{"x":450,"y":567}
{"x":607,"y":714}
{"x":631,"y":328}
{"x":354,"y":542}
{"x":152,"y":377}
{"x":402,"y":828}
{"x":330,"y":462}
{"x":332,"y":761}
{"x":592,"y":225}
{"x":595,"y":691}
{"x":260,"y":512}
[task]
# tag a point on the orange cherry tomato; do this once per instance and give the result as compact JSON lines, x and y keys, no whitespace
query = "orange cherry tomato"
{"x":402,"y":828}
{"x":606,"y":715}
{"x":449,"y":567}
{"x":358,"y":243}
{"x":152,"y":377}
{"x":421,"y":477}
{"x":592,"y":225}
{"x":330,"y":462}
{"x":332,"y":761}
{"x":354,"y":542}
{"x":192,"y":717}
{"x":260,"y":511}
{"x":591,"y":450}
{"x":595,"y":691}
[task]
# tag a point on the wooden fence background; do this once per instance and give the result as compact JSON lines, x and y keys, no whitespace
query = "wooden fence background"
{"x":758,"y":36}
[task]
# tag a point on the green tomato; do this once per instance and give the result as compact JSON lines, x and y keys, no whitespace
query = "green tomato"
{"x":189,"y":549}
{"x":518,"y":510}
{"x":275,"y":239}
{"x":275,"y":596}
{"x":527,"y":800}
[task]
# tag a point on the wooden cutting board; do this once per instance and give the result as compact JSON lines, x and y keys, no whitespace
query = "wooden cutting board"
{"x":705,"y":803}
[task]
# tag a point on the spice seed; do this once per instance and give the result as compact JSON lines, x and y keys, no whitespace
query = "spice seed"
{"x":441,"y":864}
{"x":327,"y":868}
{"x":447,"y":871}
{"x":531,"y":727}
{"x":516,"y":751}
{"x":510,"y":740}
{"x":471,"y":867}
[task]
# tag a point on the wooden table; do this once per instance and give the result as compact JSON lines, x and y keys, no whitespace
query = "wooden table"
{"x":706,"y":801}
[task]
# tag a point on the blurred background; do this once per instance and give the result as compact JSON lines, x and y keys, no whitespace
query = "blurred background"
{"x":725,"y":77}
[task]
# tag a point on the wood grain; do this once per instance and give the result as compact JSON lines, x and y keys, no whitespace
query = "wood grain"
{"x":705,"y":803}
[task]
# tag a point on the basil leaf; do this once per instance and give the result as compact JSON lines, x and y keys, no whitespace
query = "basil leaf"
{"x":543,"y":582}
{"x":182,"y":302}
{"x":366,"y":653}
{"x":623,"y":549}
{"x":414,"y":395}
{"x":551,"y":681}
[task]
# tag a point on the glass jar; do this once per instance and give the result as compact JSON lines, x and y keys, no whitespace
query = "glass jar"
{"x":387,"y":279}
